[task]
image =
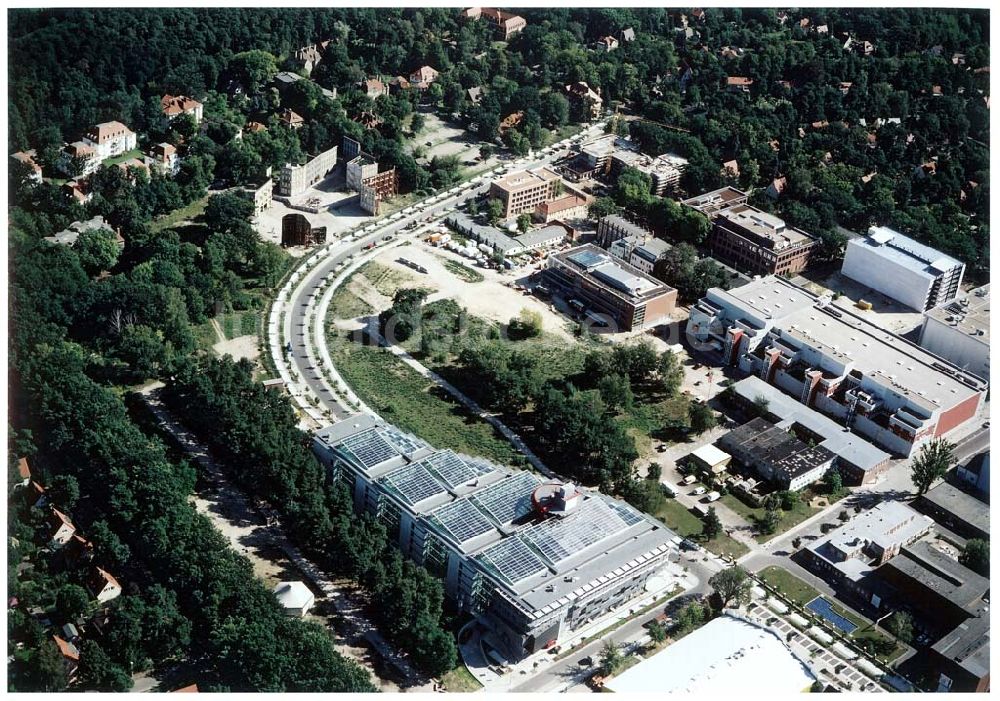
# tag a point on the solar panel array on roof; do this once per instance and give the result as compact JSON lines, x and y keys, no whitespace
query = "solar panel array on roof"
{"x":463,"y":520}
{"x":512,"y":560}
{"x":413,"y":483}
{"x":627,"y":513}
{"x":454,"y":470}
{"x":509,"y":499}
{"x":559,"y":539}
{"x":588,"y":259}
{"x":370,"y":448}
{"x":403,"y":442}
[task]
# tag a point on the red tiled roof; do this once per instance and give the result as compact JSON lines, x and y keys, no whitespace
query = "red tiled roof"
{"x":22,"y":469}
{"x":190,"y":689}
{"x":177,"y":104}
{"x":738,"y":80}
{"x":68,"y":650}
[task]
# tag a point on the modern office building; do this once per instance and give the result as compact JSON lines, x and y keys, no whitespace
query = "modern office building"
{"x":616,"y":292}
{"x":909,"y":272}
{"x":664,"y":171}
{"x":885,"y":388}
{"x":759,"y":243}
{"x":711,"y":203}
{"x":533,"y":561}
{"x":959,"y":331}
{"x":850,"y":554}
{"x":296,"y":179}
{"x":523,"y":191}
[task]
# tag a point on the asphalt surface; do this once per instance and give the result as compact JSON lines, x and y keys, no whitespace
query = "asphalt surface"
{"x":297,"y":306}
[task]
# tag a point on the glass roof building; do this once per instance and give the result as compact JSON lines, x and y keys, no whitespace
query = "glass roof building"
{"x":529,"y":576}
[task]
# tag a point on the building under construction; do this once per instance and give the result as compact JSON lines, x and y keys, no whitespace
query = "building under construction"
{"x":297,"y":231}
{"x":534,"y":561}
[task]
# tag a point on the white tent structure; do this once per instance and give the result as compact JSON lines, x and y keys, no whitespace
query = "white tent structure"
{"x":725,"y":656}
{"x":294,"y":597}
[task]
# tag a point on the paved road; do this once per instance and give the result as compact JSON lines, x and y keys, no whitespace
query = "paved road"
{"x":299,"y":306}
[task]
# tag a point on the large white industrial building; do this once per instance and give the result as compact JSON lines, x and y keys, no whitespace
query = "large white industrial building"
{"x":533,"y":561}
{"x":909,"y":272}
{"x":959,"y":331}
{"x":887,"y":389}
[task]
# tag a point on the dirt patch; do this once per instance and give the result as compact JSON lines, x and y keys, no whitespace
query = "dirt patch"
{"x":240,"y":347}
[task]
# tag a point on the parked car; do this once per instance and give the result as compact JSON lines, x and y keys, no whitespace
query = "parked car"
{"x":699,"y":491}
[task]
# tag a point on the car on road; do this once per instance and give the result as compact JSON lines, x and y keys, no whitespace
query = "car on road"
{"x":585,"y":661}
{"x":688,"y":544}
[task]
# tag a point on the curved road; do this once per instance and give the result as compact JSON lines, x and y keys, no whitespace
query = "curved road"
{"x":293,"y":319}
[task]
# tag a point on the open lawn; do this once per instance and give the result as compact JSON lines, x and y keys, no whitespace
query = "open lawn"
{"x":191,"y":212}
{"x":460,"y":680}
{"x":799,"y":513}
{"x":415,"y":404}
{"x":134,"y":153}
{"x":802,"y":593}
{"x":687,"y":525}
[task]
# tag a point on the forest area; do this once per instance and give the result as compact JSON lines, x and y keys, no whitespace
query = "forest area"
{"x":89,"y":324}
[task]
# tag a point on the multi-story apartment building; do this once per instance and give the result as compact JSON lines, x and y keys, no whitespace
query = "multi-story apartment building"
{"x":164,"y":158}
{"x":909,"y":272}
{"x":647,"y":254}
{"x":364,"y":177}
{"x":610,"y":292}
{"x":506,"y":24}
{"x":959,"y":331}
{"x":176,"y":105}
{"x":261,"y":195}
{"x":110,"y":139}
{"x":533,"y":562}
{"x":759,"y":243}
{"x":296,"y":179}
{"x":875,"y":382}
{"x":524,"y":190}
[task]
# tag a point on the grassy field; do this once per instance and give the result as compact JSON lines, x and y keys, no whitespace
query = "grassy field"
{"x":460,"y":680}
{"x":687,"y":525}
{"x":797,"y":515}
{"x":463,"y":272}
{"x":134,"y":153}
{"x":802,"y":593}
{"x":386,"y":280}
{"x":414,"y":403}
{"x":346,"y":305}
{"x":177,"y":216}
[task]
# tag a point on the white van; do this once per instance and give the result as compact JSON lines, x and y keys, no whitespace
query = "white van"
{"x":699,"y":490}
{"x":713,"y":496}
{"x":690,"y":479}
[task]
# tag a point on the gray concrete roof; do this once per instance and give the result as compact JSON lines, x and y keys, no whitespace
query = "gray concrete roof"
{"x":964,"y":506}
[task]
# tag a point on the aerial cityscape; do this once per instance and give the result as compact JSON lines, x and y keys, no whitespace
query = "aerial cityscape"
{"x":533,"y":349}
